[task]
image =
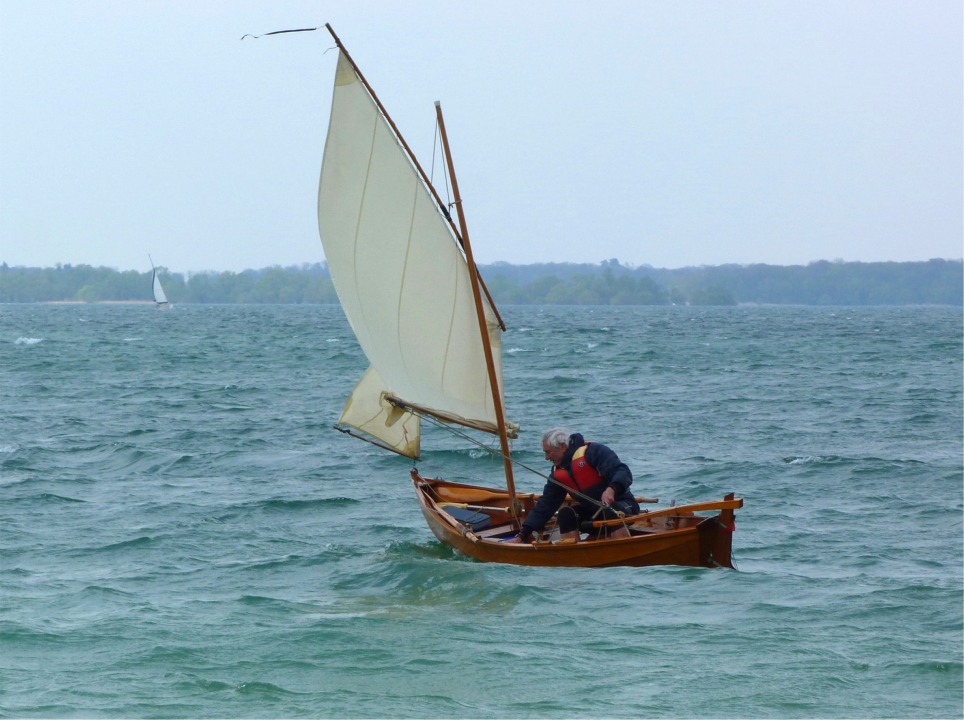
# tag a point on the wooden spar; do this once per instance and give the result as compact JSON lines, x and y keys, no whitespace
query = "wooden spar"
{"x":483,"y":326}
{"x":443,"y":416}
{"x":415,"y":163}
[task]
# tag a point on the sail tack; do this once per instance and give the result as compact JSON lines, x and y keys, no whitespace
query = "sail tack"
{"x":400,"y":276}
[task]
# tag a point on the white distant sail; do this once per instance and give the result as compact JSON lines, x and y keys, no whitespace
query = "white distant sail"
{"x":159,"y":297}
{"x":402,"y":280}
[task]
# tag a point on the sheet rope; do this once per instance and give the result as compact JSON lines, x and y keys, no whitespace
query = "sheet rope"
{"x":495,"y":451}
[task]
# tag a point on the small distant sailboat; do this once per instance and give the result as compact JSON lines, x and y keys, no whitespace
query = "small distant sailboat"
{"x":160,"y":299}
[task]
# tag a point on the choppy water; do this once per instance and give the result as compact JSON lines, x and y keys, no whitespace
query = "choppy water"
{"x":184,"y":535}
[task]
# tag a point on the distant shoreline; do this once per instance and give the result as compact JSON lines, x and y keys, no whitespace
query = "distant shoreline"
{"x":934,"y":282}
{"x":95,"y":302}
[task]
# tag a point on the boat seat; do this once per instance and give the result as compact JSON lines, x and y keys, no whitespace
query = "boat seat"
{"x":498,"y":530}
{"x":475,"y":520}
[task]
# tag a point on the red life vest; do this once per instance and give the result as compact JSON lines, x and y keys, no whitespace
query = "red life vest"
{"x":583,"y":476}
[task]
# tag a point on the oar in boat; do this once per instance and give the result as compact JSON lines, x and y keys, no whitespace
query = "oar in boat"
{"x":734,"y":504}
{"x":466,"y":506}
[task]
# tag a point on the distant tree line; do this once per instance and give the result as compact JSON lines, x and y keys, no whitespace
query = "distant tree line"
{"x":305,"y":284}
{"x":934,"y":282}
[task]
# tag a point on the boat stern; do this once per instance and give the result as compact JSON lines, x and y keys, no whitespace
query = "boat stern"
{"x":717,"y":537}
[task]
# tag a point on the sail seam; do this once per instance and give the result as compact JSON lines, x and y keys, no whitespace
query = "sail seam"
{"x":361,"y":216}
{"x":404,"y":273}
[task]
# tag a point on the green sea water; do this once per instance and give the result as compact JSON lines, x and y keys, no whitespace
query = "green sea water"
{"x":183,"y":534}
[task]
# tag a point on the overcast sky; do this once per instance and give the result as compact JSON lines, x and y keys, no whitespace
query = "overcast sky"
{"x":667,"y":133}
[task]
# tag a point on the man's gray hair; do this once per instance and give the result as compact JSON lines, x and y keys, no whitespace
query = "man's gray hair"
{"x":555,"y":437}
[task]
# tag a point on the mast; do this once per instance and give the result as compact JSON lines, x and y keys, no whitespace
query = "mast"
{"x":480,"y":314}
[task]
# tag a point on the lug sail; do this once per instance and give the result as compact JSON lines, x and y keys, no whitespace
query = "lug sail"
{"x":402,"y":280}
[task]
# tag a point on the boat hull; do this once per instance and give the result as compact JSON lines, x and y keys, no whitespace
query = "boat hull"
{"x":687,"y":540}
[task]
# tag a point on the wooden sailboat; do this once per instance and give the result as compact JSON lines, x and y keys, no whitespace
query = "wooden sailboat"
{"x":407,"y":281}
{"x":160,"y":299}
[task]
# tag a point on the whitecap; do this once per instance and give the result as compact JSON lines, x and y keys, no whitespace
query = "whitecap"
{"x":809,"y":459}
{"x":28,"y":341}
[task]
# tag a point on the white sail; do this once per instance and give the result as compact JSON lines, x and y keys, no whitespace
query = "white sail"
{"x":400,"y":275}
{"x":368,"y":410}
{"x":159,"y":297}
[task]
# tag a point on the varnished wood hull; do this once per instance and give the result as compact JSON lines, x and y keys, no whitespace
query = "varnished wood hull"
{"x":688,"y":540}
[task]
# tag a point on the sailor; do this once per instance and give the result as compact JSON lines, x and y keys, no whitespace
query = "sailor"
{"x":593,"y":475}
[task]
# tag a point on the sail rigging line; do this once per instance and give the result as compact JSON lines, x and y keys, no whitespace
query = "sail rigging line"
{"x":415,"y":163}
{"x":450,"y":204}
{"x":495,"y":451}
{"x":383,"y":446}
{"x":621,"y":516}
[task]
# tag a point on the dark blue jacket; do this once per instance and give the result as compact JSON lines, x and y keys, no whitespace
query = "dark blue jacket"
{"x":614,"y":473}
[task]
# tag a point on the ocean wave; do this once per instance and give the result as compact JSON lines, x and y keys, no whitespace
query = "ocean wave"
{"x":106,"y":591}
{"x":307,"y":504}
{"x":54,"y":497}
{"x":138,"y":542}
{"x":812,"y":459}
{"x":952,"y":668}
{"x":263,"y":690}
